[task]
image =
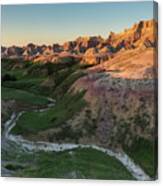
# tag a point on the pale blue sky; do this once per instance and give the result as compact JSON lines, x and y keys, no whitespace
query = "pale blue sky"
{"x":51,"y":23}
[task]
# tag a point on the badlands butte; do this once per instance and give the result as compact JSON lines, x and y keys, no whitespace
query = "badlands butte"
{"x":105,"y":91}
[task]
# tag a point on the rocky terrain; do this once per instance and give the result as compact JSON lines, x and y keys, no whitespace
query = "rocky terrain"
{"x":90,"y":50}
{"x":105,"y":91}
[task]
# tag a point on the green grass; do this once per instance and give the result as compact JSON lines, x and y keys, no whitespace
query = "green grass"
{"x":33,"y":122}
{"x":80,"y":163}
{"x":32,"y":85}
{"x":8,"y":67}
{"x":143,"y":152}
{"x":31,"y":77}
{"x":22,"y":96}
{"x":17,"y":73}
{"x":24,"y":83}
{"x":62,"y":88}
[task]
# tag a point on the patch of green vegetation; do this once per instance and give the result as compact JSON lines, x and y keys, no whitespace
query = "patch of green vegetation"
{"x":143,"y":152}
{"x":28,"y":84}
{"x":77,"y":163}
{"x":9,"y":67}
{"x":18,"y":73}
{"x":23,"y":80}
{"x":63,"y":87}
{"x":30,"y":76}
{"x":23,"y":83}
{"x":33,"y":122}
{"x":22,"y":96}
{"x":62,"y":74}
{"x":7,"y":63}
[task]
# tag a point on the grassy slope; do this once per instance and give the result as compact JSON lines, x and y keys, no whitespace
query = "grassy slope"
{"x":32,"y":122}
{"x":63,"y":87}
{"x":23,"y":96}
{"x":30,"y":77}
{"x":28,"y":84}
{"x":77,"y":163}
{"x":143,"y":153}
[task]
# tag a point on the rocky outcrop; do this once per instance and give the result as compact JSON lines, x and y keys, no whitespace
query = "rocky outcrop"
{"x":133,"y":64}
{"x":69,"y":46}
{"x":94,"y":49}
{"x":57,"y":48}
{"x":84,"y":43}
{"x":62,"y":57}
{"x":94,"y":56}
{"x":13,"y":52}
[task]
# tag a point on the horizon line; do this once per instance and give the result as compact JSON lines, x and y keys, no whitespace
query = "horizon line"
{"x":83,"y":36}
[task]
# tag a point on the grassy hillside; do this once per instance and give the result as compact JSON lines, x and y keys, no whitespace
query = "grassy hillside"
{"x":33,"y":122}
{"x":22,"y":96}
{"x":79,"y":163}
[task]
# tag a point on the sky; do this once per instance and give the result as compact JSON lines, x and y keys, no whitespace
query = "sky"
{"x":57,"y":23}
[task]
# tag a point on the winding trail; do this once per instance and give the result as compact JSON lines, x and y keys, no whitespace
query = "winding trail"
{"x":134,"y":169}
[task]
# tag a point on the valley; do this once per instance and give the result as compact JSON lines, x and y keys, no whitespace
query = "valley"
{"x":84,"y":109}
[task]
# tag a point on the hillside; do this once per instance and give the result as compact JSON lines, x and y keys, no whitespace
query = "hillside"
{"x":105,"y":92}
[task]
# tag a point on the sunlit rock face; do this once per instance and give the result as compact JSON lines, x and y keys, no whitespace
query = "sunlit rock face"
{"x":94,"y":49}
